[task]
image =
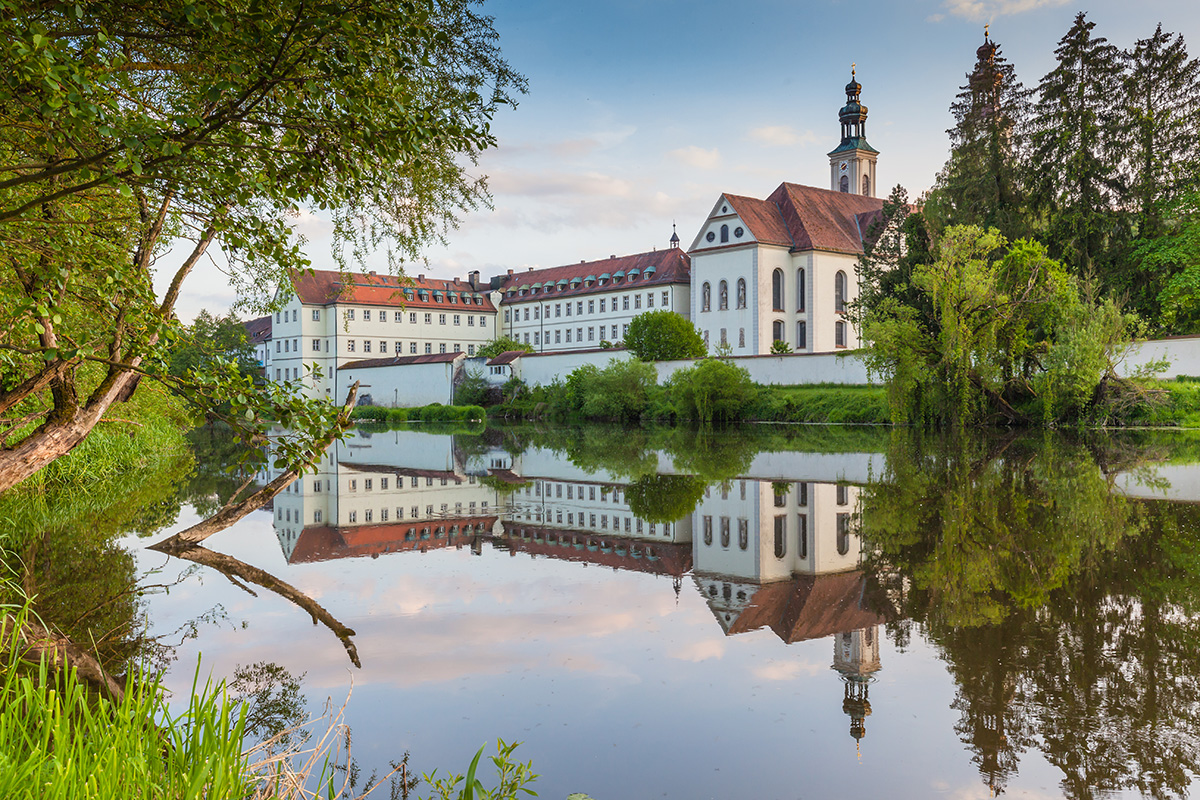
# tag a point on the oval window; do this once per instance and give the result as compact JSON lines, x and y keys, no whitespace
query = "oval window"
{"x":710,"y":236}
{"x":738,"y":232}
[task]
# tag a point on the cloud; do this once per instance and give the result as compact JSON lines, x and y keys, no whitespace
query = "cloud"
{"x":781,"y":136}
{"x":697,"y":157}
{"x":546,"y":183}
{"x":701,"y":651}
{"x":985,"y":10}
{"x":774,"y":670}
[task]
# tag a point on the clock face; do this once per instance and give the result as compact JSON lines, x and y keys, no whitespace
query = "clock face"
{"x":844,"y":166}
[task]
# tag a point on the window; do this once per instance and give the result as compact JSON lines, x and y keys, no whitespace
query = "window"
{"x":705,"y":296}
{"x":429,"y":319}
{"x":278,"y":346}
{"x":578,"y":308}
{"x":637,"y":301}
{"x":412,"y":348}
{"x":470,"y":349}
{"x":412,"y":318}
{"x":777,"y":290}
{"x":366,"y":315}
{"x":399,"y":348}
{"x":441,"y":319}
{"x":354,"y":516}
{"x":317,"y":516}
{"x":839,"y":292}
{"x":428,"y":348}
{"x":723,"y":339}
{"x":366,"y":345}
{"x":537,"y":338}
{"x":316,"y":315}
{"x":723,"y":296}
{"x":741,"y":293}
{"x":537,"y":312}
{"x":507,"y":315}
{"x":843,"y":534}
{"x":568,"y":335}
{"x":743,"y":534}
{"x":802,"y":524}
{"x":591,"y":306}
{"x":800,"y":287}
{"x":842,"y":495}
{"x":724,"y":531}
{"x":866,"y":186}
{"x":780,"y":536}
{"x":802,"y":494}
{"x":741,"y":337}
{"x":457,"y":319}
{"x":777,"y":331}
{"x":295,"y":315}
{"x":442,"y":347}
{"x":649,"y":299}
{"x":666,"y":299}
{"x":591,"y":334}
{"x":482,"y":321}
{"x":349,"y":345}
{"x":398,"y":316}
{"x":527,"y":338}
{"x":601,"y":305}
{"x":316,"y":345}
{"x":844,"y":184}
{"x":839,"y":334}
{"x":614,"y":331}
{"x":724,"y":233}
{"x":287,"y":346}
{"x":801,"y":335}
{"x":625,"y":303}
{"x":624,"y":330}
{"x":708,"y":530}
{"x":382,"y":346}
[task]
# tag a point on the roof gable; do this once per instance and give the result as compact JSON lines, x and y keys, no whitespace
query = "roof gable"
{"x":820,"y":219}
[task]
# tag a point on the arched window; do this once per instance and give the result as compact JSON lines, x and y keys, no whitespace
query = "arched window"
{"x":723,"y":296}
{"x":724,"y":233}
{"x":839,"y":292}
{"x":845,"y":184}
{"x":741,"y":290}
{"x":724,"y":531}
{"x":780,"y":536}
{"x":866,"y":185}
{"x":800,"y":289}
{"x":843,"y":534}
{"x":743,"y":533}
{"x":839,"y":334}
{"x":801,"y":335}
{"x":802,"y":520}
{"x":777,"y":333}
{"x":777,"y":290}
{"x":705,"y":297}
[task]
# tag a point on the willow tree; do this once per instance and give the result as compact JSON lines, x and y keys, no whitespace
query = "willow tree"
{"x":136,"y":137}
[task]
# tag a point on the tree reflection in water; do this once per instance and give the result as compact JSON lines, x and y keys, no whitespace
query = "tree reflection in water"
{"x":1066,"y":612}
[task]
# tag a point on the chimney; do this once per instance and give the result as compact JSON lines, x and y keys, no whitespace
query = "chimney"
{"x":421,"y":277}
{"x":531,"y":269}
{"x":613,"y":256}
{"x":510,"y":273}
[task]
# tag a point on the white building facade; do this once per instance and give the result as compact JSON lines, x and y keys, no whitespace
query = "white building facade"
{"x":581,"y":305}
{"x":334,"y":319}
{"x":784,"y":268}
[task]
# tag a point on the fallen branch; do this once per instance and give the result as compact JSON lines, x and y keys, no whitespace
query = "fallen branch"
{"x":36,"y":643}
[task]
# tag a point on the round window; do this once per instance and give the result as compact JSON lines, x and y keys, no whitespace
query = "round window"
{"x":738,"y":232}
{"x":724,"y":209}
{"x":710,"y":236}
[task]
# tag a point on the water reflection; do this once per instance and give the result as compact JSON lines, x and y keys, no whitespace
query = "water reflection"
{"x":1061,"y":599}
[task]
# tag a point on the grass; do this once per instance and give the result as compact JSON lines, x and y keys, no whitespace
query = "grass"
{"x":827,"y":403}
{"x":434,"y":412}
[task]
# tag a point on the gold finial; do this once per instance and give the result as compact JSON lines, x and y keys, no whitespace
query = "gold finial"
{"x":985,"y":30}
{"x":853,"y":66}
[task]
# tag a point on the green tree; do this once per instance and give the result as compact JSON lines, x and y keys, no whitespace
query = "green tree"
{"x":502,"y":344}
{"x":980,"y":184}
{"x":138,"y":133}
{"x":664,"y":498}
{"x":712,"y":390}
{"x":209,"y":337}
{"x":1170,"y":265}
{"x":664,"y":336}
{"x":1075,"y":160}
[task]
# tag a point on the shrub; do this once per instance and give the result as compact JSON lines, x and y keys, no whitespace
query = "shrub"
{"x":712,"y":391}
{"x":472,"y":390}
{"x":621,"y":391}
{"x":663,"y":336}
{"x":780,"y":347}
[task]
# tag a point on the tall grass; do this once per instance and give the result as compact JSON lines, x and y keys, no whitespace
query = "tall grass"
{"x":58,"y":741}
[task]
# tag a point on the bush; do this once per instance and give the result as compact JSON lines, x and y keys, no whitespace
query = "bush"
{"x":663,"y":336}
{"x":780,"y":348}
{"x":502,"y":344}
{"x":712,"y":391}
{"x":473,"y":390}
{"x":621,"y":391}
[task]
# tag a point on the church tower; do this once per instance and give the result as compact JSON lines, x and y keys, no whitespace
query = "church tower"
{"x":852,"y":163}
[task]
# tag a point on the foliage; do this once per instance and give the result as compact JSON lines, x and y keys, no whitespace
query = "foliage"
{"x":817,"y":403}
{"x":502,"y":344}
{"x":210,"y":337}
{"x":981,"y":182}
{"x":663,"y":336}
{"x":472,"y":390}
{"x":131,"y":127}
{"x":623,"y":390}
{"x":1170,"y":265}
{"x":712,"y":390}
{"x":434,"y":412}
{"x":513,"y":778}
{"x":998,"y":326}
{"x":780,"y":347}
{"x":274,"y":707}
{"x":664,"y":498}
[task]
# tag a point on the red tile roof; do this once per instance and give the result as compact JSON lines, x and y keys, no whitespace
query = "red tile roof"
{"x":258,"y":330}
{"x":813,"y":607}
{"x":672,"y":265}
{"x":324,"y":288}
{"x":507,"y":357}
{"x":399,"y":361}
{"x":618,"y":552}
{"x":808,"y":218}
{"x":325,"y":543}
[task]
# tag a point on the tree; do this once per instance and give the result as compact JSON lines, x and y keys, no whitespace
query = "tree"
{"x":1170,"y":263}
{"x":711,"y":391}
{"x":502,"y":344}
{"x":980,"y":184}
{"x":664,"y":336}
{"x":131,"y":128}
{"x":1075,"y":176}
{"x":210,"y":337}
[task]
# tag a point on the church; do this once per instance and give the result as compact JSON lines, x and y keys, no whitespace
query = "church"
{"x":783,"y":269}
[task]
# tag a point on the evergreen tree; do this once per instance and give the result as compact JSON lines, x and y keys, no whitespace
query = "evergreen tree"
{"x":1075,"y":178}
{"x":1161,"y":126}
{"x":980,"y":184}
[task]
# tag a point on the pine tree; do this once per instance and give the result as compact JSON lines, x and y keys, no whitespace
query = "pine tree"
{"x":1075,"y":176}
{"x":1161,"y":126}
{"x":980,"y":184}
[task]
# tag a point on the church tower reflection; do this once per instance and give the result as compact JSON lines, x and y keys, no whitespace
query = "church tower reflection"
{"x":856,"y":658}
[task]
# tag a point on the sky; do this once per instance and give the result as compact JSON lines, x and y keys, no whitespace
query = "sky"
{"x":640,"y":113}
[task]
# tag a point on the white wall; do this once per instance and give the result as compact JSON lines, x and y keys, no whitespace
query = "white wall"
{"x":1183,"y":352}
{"x":403,"y":386}
{"x":789,"y":370}
{"x":543,"y":368}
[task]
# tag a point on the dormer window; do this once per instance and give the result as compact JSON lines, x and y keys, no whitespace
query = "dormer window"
{"x":453,"y":299}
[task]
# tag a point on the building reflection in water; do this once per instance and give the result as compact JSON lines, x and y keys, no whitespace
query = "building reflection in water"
{"x":783,"y":555}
